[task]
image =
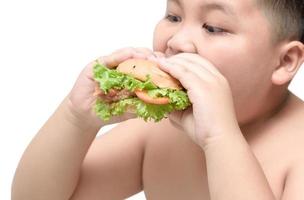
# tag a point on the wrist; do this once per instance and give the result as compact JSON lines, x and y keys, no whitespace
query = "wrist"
{"x":219,"y":140}
{"x":84,"y":120}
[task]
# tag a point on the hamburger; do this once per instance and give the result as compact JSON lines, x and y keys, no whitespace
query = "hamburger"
{"x":137,"y":86}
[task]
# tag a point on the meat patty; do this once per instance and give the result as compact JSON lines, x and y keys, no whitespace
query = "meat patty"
{"x":113,"y":95}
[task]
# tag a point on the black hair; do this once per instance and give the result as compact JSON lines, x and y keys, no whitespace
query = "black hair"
{"x":286,"y":17}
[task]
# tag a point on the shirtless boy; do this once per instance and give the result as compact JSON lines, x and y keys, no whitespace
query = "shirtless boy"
{"x":242,"y":139}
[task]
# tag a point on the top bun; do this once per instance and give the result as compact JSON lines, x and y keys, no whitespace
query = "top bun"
{"x":140,"y":68}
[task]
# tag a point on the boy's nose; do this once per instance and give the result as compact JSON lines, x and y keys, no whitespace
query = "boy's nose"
{"x":181,"y":42}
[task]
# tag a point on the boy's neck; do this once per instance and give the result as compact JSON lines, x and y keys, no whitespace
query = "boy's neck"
{"x":275,"y":113}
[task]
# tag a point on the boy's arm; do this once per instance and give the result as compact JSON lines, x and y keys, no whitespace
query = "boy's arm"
{"x":233,"y":170}
{"x":52,"y":164}
{"x":112,"y":168}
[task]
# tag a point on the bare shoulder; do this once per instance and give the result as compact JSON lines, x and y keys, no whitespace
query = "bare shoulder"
{"x":286,"y":132}
{"x":283,"y":142}
{"x":294,"y":148}
{"x":292,"y":124}
{"x":294,"y":130}
{"x":279,"y":144}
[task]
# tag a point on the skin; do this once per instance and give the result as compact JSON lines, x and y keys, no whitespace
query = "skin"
{"x":241,"y":139}
{"x":218,"y":49}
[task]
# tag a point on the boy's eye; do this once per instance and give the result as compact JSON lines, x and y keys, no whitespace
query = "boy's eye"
{"x":173,"y":18}
{"x":212,"y":29}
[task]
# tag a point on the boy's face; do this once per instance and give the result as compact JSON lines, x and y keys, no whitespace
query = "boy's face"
{"x":234,"y":35}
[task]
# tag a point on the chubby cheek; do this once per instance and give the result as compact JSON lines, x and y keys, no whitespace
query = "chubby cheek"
{"x":160,"y":37}
{"x":239,"y":62}
{"x":235,"y":68}
{"x":246,"y":67}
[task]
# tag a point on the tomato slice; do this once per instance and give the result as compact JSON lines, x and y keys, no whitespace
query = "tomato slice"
{"x":143,"y":95}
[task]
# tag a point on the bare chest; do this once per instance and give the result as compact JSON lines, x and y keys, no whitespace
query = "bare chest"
{"x":175,"y":168}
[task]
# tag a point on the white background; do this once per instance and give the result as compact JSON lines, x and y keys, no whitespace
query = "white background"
{"x":43,"y":47}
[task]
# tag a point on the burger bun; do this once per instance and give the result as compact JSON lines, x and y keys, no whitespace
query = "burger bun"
{"x":140,"y":69}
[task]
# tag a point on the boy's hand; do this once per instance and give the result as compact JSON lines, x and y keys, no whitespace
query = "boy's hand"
{"x":212,"y":113}
{"x":81,"y":99}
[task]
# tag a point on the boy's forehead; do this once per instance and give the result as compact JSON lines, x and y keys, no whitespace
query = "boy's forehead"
{"x":227,"y":6}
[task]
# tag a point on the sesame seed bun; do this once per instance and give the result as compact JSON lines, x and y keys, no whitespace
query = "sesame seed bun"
{"x":140,"y":68}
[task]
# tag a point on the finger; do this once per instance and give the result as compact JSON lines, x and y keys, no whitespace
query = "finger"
{"x":159,"y":54}
{"x":195,"y":58}
{"x":88,"y":70}
{"x":196,"y":68}
{"x":183,"y":74}
{"x":149,"y":54}
{"x":114,"y":59}
{"x":156,"y":55}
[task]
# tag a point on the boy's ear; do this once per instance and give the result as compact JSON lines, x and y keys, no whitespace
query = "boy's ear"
{"x":292,"y":57}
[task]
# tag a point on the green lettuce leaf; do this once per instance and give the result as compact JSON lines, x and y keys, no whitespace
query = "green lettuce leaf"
{"x":108,"y":79}
{"x":143,"y":110}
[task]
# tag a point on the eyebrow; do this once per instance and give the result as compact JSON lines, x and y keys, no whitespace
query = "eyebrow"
{"x":225,"y":8}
